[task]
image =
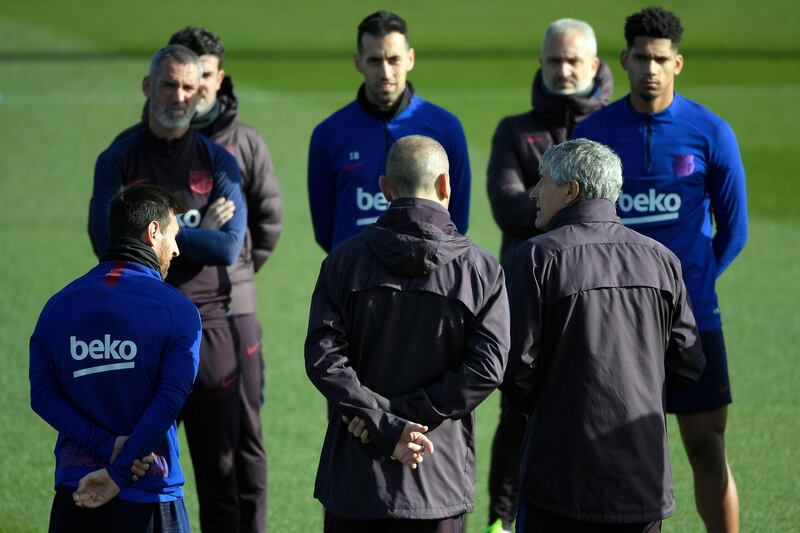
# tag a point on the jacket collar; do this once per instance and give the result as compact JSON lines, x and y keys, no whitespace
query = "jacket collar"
{"x":411,"y":212}
{"x":584,"y":211}
{"x":372,"y":110}
{"x":560,"y":110}
{"x":163,"y":146}
{"x":671,"y":109}
{"x":226,"y":110}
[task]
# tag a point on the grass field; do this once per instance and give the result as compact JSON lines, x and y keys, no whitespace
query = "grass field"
{"x":69,"y":78}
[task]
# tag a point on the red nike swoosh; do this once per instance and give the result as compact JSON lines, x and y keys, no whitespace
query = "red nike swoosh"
{"x":349,"y":167}
{"x":251,"y":350}
{"x":225,"y":383}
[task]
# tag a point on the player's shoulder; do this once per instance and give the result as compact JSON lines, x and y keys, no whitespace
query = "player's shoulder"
{"x":421,"y":106}
{"x":600,"y":119}
{"x":340,"y":118}
{"x":702,"y":118}
{"x":180,"y":305}
{"x":246,"y":130}
{"x":122,"y":143}
{"x":484,"y":261}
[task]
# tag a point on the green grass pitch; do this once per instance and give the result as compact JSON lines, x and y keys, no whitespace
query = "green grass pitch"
{"x":70,"y":74}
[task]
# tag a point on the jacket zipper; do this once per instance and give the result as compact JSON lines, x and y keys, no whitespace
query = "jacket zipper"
{"x":647,"y":139}
{"x":387,"y":137}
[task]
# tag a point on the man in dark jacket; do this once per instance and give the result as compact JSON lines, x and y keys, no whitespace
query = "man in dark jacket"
{"x":217,"y":118}
{"x":571,"y":84}
{"x":600,"y":328}
{"x":408,"y":325}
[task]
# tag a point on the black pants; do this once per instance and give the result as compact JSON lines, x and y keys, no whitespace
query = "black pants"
{"x":223,"y":428}
{"x":119,"y":516}
{"x":533,"y":520}
{"x":334,"y":524}
{"x":504,"y":468}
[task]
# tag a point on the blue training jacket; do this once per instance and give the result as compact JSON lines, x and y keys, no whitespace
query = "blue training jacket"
{"x":348,"y":154}
{"x":115,"y":353}
{"x":681,"y":167}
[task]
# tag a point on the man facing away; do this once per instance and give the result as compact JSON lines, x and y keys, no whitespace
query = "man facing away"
{"x":348,"y":149}
{"x":571,"y":84}
{"x":112,"y":360}
{"x":407,"y":333}
{"x":600,"y":329}
{"x":166,"y":151}
{"x":685,"y":187}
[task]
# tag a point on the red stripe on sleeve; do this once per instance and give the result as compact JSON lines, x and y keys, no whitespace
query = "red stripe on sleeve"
{"x":113,"y":277}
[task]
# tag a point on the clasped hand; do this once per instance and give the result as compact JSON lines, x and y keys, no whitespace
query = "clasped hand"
{"x":410,"y":447}
{"x":97,"y":488}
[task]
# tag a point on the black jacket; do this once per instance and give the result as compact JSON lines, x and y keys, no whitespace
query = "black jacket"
{"x":517,"y":147}
{"x":600,"y":327}
{"x":408,"y":322}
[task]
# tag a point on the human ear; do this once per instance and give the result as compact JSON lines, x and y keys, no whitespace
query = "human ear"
{"x":383,"y":183}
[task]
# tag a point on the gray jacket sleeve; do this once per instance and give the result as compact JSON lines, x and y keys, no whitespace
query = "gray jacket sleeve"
{"x":512,"y":208}
{"x":329,"y":369}
{"x":264,"y":204}
{"x":525,"y":303}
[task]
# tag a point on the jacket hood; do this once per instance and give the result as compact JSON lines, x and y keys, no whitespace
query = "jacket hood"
{"x":415,"y":237}
{"x":557,"y":109}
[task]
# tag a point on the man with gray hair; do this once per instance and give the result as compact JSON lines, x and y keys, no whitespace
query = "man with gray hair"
{"x":407,"y":334}
{"x":165,"y":151}
{"x":571,"y":84}
{"x":600,"y":328}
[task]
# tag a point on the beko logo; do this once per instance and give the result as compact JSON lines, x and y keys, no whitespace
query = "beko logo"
{"x":190,"y":219}
{"x":366,"y":201}
{"x":653,"y":205}
{"x":108,"y":348}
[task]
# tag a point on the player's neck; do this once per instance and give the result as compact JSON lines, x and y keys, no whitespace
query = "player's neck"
{"x":656,"y":105}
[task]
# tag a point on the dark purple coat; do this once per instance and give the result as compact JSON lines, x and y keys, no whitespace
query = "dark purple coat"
{"x":409,"y":322}
{"x":517,"y":148}
{"x":600,"y":328}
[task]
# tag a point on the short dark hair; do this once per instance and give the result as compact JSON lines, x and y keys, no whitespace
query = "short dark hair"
{"x":200,"y":41}
{"x":653,"y":22}
{"x":380,"y":24}
{"x":136,"y":206}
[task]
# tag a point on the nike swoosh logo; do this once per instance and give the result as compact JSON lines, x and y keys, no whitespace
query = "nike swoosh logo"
{"x":349,"y":167}
{"x":226,"y":382}
{"x":251,"y":350}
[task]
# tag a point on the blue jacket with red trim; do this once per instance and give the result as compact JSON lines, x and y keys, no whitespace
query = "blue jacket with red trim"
{"x":115,"y":353}
{"x":681,"y":167}
{"x":197,"y":172}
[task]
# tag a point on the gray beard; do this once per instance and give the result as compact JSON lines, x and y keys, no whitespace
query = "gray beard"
{"x":173,"y":123}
